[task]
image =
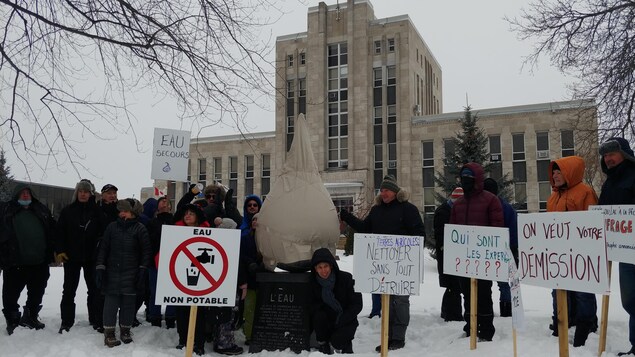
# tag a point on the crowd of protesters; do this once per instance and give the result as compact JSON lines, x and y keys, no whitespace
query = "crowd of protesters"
{"x":115,"y":243}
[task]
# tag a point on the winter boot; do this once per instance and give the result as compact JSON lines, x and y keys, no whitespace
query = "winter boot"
{"x":325,"y":348}
{"x":125,"y":335}
{"x":629,"y":352}
{"x":30,"y":318}
{"x":110,"y":339}
{"x":582,"y":331}
{"x":505,"y":309}
{"x":347,"y":348}
{"x":65,"y":327}
{"x":13,"y":320}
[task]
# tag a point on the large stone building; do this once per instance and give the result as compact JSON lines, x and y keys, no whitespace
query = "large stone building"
{"x":372,"y":93}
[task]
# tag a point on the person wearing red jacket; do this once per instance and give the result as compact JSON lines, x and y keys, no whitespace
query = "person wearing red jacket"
{"x":477,"y":207}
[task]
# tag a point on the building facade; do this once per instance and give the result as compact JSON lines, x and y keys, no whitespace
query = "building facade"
{"x":371,"y":91}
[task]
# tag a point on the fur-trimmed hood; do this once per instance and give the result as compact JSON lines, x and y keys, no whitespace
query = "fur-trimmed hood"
{"x":402,"y":196}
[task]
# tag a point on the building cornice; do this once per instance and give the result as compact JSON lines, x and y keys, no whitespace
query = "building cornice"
{"x":234,"y":137}
{"x":484,"y":113}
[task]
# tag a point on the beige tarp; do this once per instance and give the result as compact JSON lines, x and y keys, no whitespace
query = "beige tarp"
{"x":298,"y":216}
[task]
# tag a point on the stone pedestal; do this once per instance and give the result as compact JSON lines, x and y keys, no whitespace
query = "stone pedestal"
{"x":282,"y":318}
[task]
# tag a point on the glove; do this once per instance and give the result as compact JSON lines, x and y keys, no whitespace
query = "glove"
{"x":61,"y":258}
{"x":141,"y":280}
{"x":99,"y":277}
{"x":229,"y":198}
{"x":194,"y":189}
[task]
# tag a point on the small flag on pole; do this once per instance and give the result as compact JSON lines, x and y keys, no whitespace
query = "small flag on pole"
{"x":158,"y":193}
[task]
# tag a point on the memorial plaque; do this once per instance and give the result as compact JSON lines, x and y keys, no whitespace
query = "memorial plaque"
{"x":282,"y":317}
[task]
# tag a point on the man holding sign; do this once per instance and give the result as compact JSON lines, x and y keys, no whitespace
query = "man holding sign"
{"x":618,"y":164}
{"x":391,"y":214}
{"x":477,"y":207}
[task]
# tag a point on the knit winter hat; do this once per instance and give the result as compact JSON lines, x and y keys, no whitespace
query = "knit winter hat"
{"x":458,"y":192}
{"x":467,"y":172}
{"x":131,"y":205}
{"x":490,"y":185}
{"x":390,"y":183}
{"x":227,"y":223}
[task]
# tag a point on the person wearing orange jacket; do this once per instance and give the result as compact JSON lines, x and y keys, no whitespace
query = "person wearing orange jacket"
{"x":569,"y":193}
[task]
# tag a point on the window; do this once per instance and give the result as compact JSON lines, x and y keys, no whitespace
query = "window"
{"x":391,"y":88}
{"x":337,"y":97}
{"x":202,"y":171}
{"x":289,"y":60}
{"x":186,"y":185}
{"x":568,"y":144}
{"x":249,"y":175}
{"x":519,"y":167}
{"x":377,"y":47}
{"x":302,"y":58}
{"x":233,"y":176}
{"x":302,"y":95}
{"x":265,"y":175}
{"x":172,"y":192}
{"x":428,"y":176}
{"x":542,"y":169}
{"x":391,"y":45}
{"x":290,"y":112}
{"x":218,"y":170}
{"x":495,"y":157}
{"x":518,"y":147}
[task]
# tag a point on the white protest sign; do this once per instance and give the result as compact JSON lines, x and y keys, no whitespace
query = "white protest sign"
{"x":518,"y":311}
{"x":387,"y":264}
{"x":563,"y":250}
{"x":618,"y":225}
{"x":198,"y":266}
{"x":476,"y":252}
{"x":170,"y":154}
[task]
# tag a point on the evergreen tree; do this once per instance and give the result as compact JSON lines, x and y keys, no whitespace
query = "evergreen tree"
{"x":5,"y":179}
{"x":471,"y":145}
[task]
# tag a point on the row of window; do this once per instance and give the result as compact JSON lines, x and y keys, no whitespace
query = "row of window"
{"x":519,"y":166}
{"x":291,"y":59}
{"x":378,"y":46}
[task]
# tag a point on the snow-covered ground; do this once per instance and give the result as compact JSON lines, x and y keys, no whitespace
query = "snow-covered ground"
{"x":428,"y":335}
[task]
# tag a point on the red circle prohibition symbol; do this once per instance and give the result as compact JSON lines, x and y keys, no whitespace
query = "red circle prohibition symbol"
{"x":182,"y":248}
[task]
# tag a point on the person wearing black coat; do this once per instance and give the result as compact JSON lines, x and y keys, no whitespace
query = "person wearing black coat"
{"x":79,"y":229}
{"x":122,"y":261}
{"x":163,"y":216}
{"x":451,"y":309}
{"x":26,"y":249}
{"x":334,"y":304}
{"x":392,"y":213}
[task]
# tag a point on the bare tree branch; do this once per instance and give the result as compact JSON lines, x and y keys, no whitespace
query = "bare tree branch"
{"x":55,"y":54}
{"x":593,"y":40}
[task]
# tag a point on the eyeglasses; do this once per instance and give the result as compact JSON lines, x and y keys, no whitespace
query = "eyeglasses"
{"x":209,"y":196}
{"x":252,"y":205}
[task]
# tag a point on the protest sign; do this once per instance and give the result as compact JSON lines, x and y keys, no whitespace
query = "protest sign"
{"x":618,"y":225}
{"x":563,"y":250}
{"x":387,"y":264}
{"x":476,"y":252}
{"x":170,"y":154}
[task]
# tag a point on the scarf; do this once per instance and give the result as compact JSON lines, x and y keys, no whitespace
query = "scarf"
{"x":327,"y":295}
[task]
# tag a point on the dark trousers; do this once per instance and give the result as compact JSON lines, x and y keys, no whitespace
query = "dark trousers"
{"x":183,"y":320}
{"x":154,"y":310}
{"x":484,"y":307}
{"x":399,"y":318}
{"x":124,"y":305}
{"x":325,"y":331}
{"x":71,"y":281}
{"x":627,"y":293}
{"x":33,"y":277}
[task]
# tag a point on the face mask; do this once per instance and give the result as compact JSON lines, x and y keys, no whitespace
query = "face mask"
{"x":467,"y":183}
{"x":24,"y":202}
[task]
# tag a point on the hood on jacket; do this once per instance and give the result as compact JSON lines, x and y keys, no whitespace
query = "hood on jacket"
{"x":323,"y":255}
{"x":479,"y":176}
{"x":150,"y":207}
{"x":402,"y":196}
{"x":572,"y":169}
{"x":251,"y":198}
{"x":18,"y":188}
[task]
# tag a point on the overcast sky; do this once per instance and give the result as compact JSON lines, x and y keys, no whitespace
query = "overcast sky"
{"x":480,"y":57}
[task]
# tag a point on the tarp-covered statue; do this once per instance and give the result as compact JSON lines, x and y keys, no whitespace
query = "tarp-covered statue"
{"x":298,"y":216}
